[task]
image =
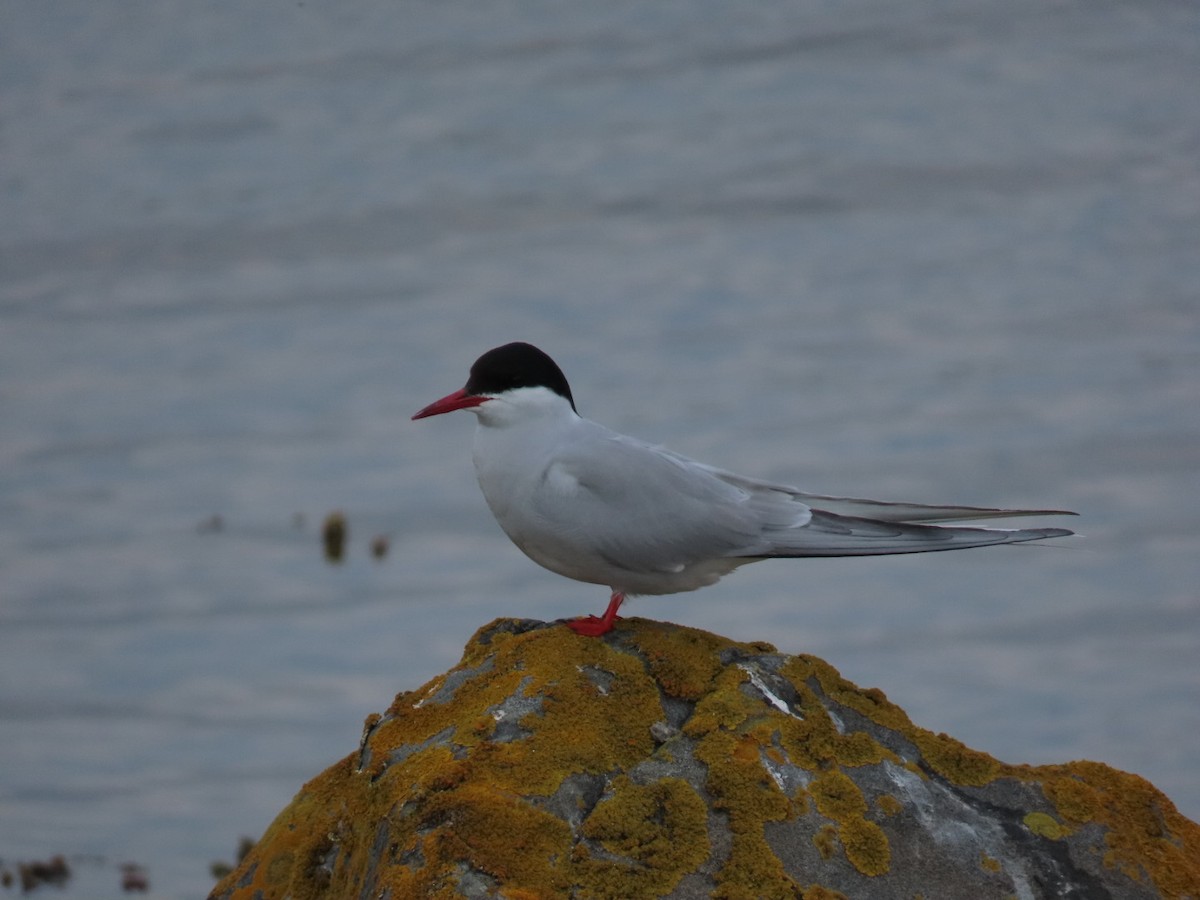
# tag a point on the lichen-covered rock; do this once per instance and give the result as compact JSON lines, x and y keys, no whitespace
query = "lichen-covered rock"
{"x":661,"y":761}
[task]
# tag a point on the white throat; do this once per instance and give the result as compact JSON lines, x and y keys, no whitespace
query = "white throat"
{"x":529,"y":407}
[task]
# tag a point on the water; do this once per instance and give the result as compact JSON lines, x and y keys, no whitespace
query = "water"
{"x":938,"y":252}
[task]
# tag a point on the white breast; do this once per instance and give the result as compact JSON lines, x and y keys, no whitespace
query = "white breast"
{"x":557,"y":485}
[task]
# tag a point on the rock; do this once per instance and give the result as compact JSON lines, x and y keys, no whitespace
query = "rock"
{"x":661,"y":761}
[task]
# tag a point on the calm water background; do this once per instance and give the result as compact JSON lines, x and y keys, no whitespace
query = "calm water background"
{"x":927,"y":251}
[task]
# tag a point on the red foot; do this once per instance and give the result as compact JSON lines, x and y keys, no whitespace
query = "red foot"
{"x":593,"y":626}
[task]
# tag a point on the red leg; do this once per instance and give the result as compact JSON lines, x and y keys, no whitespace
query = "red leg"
{"x":594,"y":627}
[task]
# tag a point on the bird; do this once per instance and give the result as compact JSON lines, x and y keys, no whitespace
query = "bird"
{"x":601,"y":507}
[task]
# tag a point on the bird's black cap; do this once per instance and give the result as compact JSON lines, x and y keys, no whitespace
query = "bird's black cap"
{"x":517,"y":365}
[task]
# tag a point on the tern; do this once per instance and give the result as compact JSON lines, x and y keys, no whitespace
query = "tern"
{"x":604,"y":508}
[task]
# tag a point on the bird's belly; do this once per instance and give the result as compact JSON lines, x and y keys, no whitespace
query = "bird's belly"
{"x":551,"y":551}
{"x":513,"y":494}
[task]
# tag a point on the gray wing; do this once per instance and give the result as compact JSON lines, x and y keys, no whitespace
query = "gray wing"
{"x":645,"y":509}
{"x":650,"y":509}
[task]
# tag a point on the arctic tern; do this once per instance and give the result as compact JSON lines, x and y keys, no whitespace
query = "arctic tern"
{"x":600,"y":507}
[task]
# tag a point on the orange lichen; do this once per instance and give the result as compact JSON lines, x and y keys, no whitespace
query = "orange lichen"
{"x":741,"y":787}
{"x":1147,"y":838}
{"x":465,"y":794}
{"x":496,"y":833}
{"x":860,"y":749}
{"x":888,"y":805}
{"x":837,"y":797}
{"x":1145,"y":835}
{"x":866,"y":846}
{"x":723,"y":708}
{"x":870,"y":702}
{"x":571,"y":733}
{"x":825,"y":840}
{"x":1074,"y":799}
{"x":811,"y":742}
{"x":1045,"y":826}
{"x":817,"y":892}
{"x":954,"y":760}
{"x":684,"y":662}
{"x":659,"y":828}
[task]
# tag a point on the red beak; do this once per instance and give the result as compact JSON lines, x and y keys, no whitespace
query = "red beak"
{"x":451,"y":402}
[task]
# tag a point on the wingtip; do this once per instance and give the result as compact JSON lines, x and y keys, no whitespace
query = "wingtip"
{"x":1036,"y":534}
{"x":1036,"y":512}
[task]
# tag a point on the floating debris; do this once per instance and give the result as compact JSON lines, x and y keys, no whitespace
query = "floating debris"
{"x":134,"y":878}
{"x":333,"y":535}
{"x":34,"y":874}
{"x":379,"y":546}
{"x":212,"y":525}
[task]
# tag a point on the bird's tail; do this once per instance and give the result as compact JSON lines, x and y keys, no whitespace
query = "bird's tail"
{"x":828,"y":534}
{"x":884,"y":511}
